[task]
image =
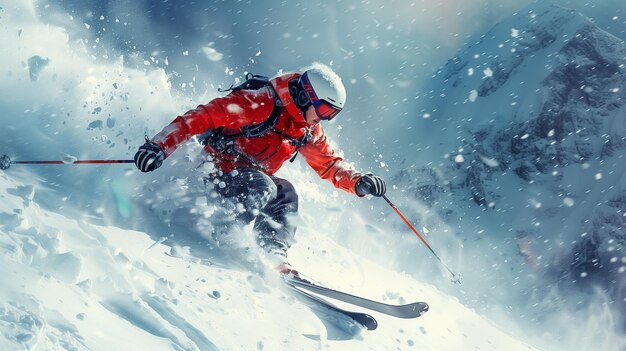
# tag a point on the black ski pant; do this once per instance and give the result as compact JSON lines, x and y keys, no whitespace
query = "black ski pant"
{"x":267,"y":200}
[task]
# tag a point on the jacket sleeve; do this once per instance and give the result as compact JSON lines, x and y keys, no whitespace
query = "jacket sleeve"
{"x":237,"y":109}
{"x":322,"y":158}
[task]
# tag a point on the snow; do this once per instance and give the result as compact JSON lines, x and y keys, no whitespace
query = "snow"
{"x":234,"y":109}
{"x":327,"y":72}
{"x":568,"y":201}
{"x":68,"y":159}
{"x":473,"y":95}
{"x":92,"y":287}
{"x":212,"y":54}
{"x":491,"y":162}
{"x":35,"y":65}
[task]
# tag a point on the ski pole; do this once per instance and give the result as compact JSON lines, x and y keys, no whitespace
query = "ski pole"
{"x":6,"y":162}
{"x":455,"y":278}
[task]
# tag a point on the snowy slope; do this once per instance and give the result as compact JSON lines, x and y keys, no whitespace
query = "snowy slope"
{"x":71,"y":285}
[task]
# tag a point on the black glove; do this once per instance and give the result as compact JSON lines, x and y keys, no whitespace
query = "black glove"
{"x":149,"y":157}
{"x":370,"y":184}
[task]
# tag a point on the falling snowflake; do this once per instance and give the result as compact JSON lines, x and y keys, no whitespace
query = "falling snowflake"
{"x":473,"y":95}
{"x":534,"y":203}
{"x":68,"y":159}
{"x":234,"y":108}
{"x":490,"y":161}
{"x":212,"y":54}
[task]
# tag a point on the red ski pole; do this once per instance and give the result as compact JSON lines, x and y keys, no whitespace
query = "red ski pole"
{"x":5,"y":162}
{"x":455,"y":278}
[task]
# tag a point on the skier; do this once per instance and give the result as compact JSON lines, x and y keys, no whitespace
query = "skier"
{"x":250,"y":133}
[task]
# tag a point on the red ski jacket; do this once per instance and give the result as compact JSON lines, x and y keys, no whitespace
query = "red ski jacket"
{"x":268,"y":152}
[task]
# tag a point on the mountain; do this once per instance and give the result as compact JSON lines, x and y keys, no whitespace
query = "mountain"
{"x":527,"y":162}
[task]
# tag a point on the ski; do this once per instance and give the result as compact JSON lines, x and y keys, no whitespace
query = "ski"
{"x":411,"y":310}
{"x":363,"y":319}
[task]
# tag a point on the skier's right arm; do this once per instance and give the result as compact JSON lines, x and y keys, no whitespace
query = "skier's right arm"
{"x":233,"y":111}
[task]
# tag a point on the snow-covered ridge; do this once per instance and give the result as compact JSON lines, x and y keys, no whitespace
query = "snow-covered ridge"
{"x":510,"y":43}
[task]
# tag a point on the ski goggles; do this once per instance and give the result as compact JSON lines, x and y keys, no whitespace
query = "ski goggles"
{"x":323,"y":108}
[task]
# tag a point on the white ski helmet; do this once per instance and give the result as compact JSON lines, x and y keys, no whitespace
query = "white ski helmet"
{"x":323,"y":88}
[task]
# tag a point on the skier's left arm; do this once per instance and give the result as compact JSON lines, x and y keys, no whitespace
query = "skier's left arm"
{"x":322,"y":158}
